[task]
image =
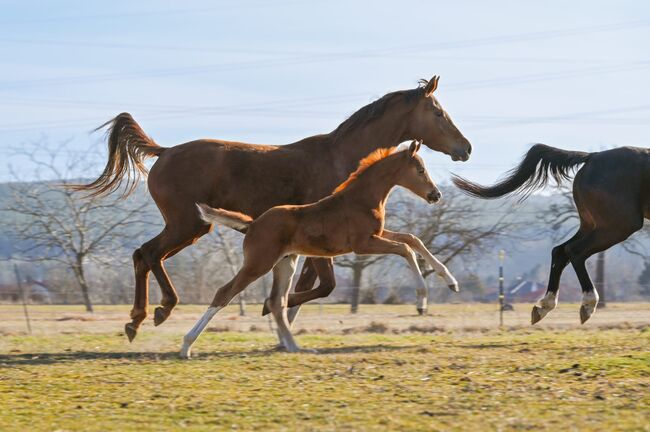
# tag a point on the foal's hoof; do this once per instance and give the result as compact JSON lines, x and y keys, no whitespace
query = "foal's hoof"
{"x":185,"y":354}
{"x":266,"y":309}
{"x":131,"y":331}
{"x":586,"y":311}
{"x":454,"y":287}
{"x":422,"y":311}
{"x":160,"y":315}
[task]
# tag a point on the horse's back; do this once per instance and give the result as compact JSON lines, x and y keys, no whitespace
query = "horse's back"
{"x":232,"y":175}
{"x":616,"y":180}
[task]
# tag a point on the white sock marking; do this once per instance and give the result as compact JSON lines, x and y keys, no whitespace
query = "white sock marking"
{"x":196,"y":331}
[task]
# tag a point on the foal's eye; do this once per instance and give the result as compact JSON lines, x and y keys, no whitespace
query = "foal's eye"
{"x":421,"y":171}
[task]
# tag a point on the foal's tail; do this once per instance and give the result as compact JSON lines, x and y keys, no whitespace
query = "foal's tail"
{"x":540,"y":163}
{"x":234,"y":220}
{"x":128,"y":147}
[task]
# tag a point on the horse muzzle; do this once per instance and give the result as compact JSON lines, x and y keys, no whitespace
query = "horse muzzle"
{"x":434,"y":197}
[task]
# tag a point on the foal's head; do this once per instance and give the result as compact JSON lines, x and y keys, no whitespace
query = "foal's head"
{"x":430,"y":123}
{"x":413,"y":176}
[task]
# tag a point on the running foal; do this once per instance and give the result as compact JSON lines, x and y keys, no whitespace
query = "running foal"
{"x":350,"y":220}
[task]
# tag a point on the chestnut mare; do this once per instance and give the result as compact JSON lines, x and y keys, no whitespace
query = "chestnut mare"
{"x":350,"y":220}
{"x":612,"y":195}
{"x":253,"y":178}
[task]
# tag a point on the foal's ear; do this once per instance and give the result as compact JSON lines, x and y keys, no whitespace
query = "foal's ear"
{"x":431,"y":86}
{"x":414,"y":147}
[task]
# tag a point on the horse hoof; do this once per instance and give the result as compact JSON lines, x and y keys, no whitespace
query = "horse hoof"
{"x":536,"y":315}
{"x":586,"y":311}
{"x":131,"y":331}
{"x":454,"y":287}
{"x":160,"y":316}
{"x":422,"y":311}
{"x":266,"y":310}
{"x":185,"y":354}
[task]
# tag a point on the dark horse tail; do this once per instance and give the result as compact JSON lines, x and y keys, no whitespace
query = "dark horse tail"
{"x":128,"y":147}
{"x":540,"y":163}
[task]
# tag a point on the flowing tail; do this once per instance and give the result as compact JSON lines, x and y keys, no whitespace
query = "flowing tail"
{"x":128,"y":147}
{"x":234,"y":220}
{"x":540,"y":164}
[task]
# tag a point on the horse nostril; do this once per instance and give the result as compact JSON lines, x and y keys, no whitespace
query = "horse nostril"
{"x":434,"y":196}
{"x":469,"y":150}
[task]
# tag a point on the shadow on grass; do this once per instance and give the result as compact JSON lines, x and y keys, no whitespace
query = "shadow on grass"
{"x":34,"y":359}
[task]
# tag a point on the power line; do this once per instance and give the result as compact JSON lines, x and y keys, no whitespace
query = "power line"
{"x":304,"y":59}
{"x":141,"y":14}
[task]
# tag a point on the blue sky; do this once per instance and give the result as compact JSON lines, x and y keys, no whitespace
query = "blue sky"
{"x":569,"y":74}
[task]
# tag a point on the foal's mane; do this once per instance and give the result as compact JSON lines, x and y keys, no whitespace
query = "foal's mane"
{"x":365,"y":163}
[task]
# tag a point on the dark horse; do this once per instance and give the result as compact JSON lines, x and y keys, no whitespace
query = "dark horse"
{"x":611,"y":192}
{"x":251,"y":179}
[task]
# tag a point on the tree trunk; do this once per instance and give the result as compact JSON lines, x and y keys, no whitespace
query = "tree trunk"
{"x":242,"y":304}
{"x":83,"y":284}
{"x":86,"y":296}
{"x":357,"y":272}
{"x":600,"y":279}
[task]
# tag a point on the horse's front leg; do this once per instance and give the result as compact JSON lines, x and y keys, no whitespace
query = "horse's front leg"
{"x":420,"y":248}
{"x":377,"y":245}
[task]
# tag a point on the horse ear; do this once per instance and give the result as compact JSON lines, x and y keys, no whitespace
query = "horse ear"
{"x":414,"y":147}
{"x":431,"y":86}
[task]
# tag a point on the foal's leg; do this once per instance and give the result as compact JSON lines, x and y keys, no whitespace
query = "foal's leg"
{"x":417,"y":245}
{"x":321,"y":267}
{"x":377,"y":245}
{"x":324,"y":267}
{"x":245,"y":276}
{"x":559,"y":260}
{"x":305,"y":283}
{"x":282,"y":276}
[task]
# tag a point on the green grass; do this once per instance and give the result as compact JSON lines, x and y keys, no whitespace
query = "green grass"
{"x":520,"y":380}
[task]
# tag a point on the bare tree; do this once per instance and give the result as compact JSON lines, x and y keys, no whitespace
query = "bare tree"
{"x":357,"y":264}
{"x":52,"y":223}
{"x":451,"y":229}
{"x":456,"y":227}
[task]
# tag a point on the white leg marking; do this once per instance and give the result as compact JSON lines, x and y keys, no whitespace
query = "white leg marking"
{"x":589,"y":303}
{"x":420,"y":283}
{"x":192,"y":335}
{"x":544,"y":306}
{"x":282,"y":275}
{"x":436,"y":265}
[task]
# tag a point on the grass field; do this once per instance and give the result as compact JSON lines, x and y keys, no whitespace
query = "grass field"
{"x":382,"y":369}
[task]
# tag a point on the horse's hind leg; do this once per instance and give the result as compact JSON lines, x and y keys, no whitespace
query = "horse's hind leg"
{"x":321,"y":268}
{"x":580,"y":250}
{"x":324,"y":269}
{"x":305,"y":283}
{"x":559,"y":261}
{"x":165,"y":245}
{"x":149,"y":257}
{"x":141,"y":300}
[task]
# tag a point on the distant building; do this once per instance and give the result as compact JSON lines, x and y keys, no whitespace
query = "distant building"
{"x":525,"y":291}
{"x":528,"y":291}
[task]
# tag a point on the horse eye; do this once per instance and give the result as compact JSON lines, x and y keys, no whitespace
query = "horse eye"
{"x":421,"y":171}
{"x":439,"y":113}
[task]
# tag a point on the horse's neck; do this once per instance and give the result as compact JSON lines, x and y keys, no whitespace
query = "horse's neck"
{"x":386,"y":131}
